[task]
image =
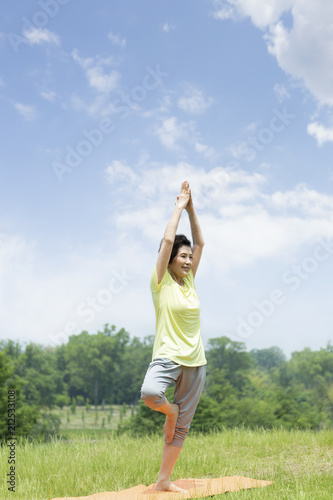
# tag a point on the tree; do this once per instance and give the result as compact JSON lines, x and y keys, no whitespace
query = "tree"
{"x":268,"y":359}
{"x":43,"y":380}
{"x":62,"y":400}
{"x":26,"y":416}
{"x":136,"y":359}
{"x":94,"y":364}
{"x":231,"y":360}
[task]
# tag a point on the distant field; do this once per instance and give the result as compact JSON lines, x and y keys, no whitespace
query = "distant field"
{"x":83,"y":419}
{"x":86,"y":462}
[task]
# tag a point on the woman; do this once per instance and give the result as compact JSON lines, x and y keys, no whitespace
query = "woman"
{"x":178,"y":353}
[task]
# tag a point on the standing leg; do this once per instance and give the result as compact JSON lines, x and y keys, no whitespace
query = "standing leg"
{"x":169,"y":458}
{"x":189,"y":386}
{"x":161,"y":372}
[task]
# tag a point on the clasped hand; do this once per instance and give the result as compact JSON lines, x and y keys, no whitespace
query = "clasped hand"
{"x":184,"y":199}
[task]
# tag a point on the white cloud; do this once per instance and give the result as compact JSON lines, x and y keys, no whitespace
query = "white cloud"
{"x":37,"y":36}
{"x":242,"y":223}
{"x":200,"y":148}
{"x":100,"y":107}
{"x":48,"y":95}
{"x":97,"y":78}
{"x":208,"y":152}
{"x":118,"y":170}
{"x":194,"y":101}
{"x":303,"y":50}
{"x":102,"y":82}
{"x":281,"y":92}
{"x":28,"y":112}
{"x":235,"y":149}
{"x":224,"y":11}
{"x":39,"y":298}
{"x":171,"y":132}
{"x":168,"y":27}
{"x":151,"y":179}
{"x":321,"y":133}
{"x":164,"y":107}
{"x":307,"y":201}
{"x":117,"y":40}
{"x":261,"y":13}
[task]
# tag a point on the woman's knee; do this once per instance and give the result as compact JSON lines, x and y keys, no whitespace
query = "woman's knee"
{"x":151,"y":396}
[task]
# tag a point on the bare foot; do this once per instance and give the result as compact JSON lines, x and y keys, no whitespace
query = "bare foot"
{"x":170,"y":424}
{"x":168,"y":486}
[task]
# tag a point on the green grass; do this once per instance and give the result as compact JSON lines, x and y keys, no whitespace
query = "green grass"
{"x":299,"y":462}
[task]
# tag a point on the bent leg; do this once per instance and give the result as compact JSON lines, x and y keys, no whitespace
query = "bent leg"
{"x":161,"y":372}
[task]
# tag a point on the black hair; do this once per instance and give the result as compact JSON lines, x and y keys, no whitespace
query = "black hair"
{"x":180,"y":240}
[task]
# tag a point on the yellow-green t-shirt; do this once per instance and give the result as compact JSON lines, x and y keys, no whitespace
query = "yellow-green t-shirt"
{"x":177,"y":311}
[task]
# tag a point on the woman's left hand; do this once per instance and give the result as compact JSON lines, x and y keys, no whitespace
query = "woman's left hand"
{"x":189,"y":207}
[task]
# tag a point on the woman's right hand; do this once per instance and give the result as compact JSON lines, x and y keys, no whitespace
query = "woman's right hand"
{"x":184,"y":195}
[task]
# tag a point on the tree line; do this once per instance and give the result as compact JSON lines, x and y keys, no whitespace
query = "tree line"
{"x":259,"y":388}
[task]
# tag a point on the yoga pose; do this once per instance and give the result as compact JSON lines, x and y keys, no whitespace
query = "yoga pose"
{"x":178,"y":353}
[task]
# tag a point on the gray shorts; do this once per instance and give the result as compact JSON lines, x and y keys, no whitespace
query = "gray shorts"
{"x":189,"y":383}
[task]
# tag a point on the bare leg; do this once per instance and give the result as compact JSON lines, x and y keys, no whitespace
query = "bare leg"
{"x":169,"y":458}
{"x":171,"y":411}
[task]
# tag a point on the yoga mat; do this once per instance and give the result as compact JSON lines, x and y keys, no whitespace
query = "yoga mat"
{"x":197,"y":488}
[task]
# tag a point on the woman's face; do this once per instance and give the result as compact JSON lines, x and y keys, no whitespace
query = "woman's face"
{"x":182,"y":262}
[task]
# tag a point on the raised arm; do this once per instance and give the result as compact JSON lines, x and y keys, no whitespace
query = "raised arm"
{"x":198,"y":241}
{"x":170,"y":231}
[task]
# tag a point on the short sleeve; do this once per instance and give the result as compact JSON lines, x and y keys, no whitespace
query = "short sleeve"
{"x":154,"y":287}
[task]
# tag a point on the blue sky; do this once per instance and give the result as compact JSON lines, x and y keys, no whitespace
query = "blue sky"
{"x":107,"y":107}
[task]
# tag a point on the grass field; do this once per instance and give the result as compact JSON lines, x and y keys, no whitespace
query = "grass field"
{"x":86,"y":462}
{"x":92,"y":419}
